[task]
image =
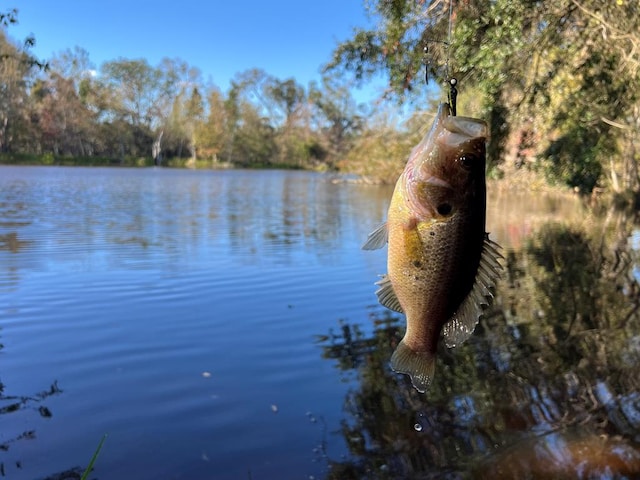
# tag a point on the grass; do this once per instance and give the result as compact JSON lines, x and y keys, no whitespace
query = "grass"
{"x":50,"y":159}
{"x":87,"y":161}
{"x":86,"y":473}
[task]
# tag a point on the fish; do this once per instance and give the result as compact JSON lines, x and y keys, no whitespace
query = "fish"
{"x":442,"y":266}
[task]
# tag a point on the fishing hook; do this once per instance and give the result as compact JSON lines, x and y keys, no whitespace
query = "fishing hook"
{"x":452,"y":81}
{"x":452,"y":96}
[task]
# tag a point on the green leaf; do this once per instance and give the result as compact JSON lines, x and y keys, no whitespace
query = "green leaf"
{"x":86,"y":473}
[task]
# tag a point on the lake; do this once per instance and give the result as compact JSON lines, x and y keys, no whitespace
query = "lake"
{"x":223,"y":325}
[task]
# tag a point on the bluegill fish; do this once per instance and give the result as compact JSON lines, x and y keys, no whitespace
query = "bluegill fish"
{"x":442,"y":267}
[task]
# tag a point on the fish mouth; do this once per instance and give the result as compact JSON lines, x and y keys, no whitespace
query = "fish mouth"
{"x":466,"y":127}
{"x":457,"y":131}
{"x":451,"y":132}
{"x":449,"y":135}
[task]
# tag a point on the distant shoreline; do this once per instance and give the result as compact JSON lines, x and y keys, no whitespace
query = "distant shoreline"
{"x":514,"y":180}
{"x":139,"y":162}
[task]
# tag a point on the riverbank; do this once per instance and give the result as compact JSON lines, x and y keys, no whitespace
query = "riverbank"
{"x":509,"y":178}
{"x":49,"y":159}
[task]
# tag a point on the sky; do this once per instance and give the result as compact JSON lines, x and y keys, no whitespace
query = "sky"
{"x":285,"y":38}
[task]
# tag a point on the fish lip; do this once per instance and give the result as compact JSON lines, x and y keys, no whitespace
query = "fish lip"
{"x":466,"y":126}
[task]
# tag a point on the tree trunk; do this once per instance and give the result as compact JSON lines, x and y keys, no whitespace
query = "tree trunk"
{"x":156,"y":149}
{"x":193,"y":148}
{"x":4,"y":144}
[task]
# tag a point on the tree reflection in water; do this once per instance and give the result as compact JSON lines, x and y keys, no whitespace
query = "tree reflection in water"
{"x":547,"y":387}
{"x":25,"y":404}
{"x":12,"y":404}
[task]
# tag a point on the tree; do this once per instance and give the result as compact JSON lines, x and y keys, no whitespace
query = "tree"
{"x":249,"y":115}
{"x":284,"y":98}
{"x":176,"y":79}
{"x":552,"y":71}
{"x":212,"y":136}
{"x":131,"y":88}
{"x":287,"y":104}
{"x":134,"y":84}
{"x":254,"y":139}
{"x":380,"y":150}
{"x":17,"y":66}
{"x":10,"y":17}
{"x":65,"y":122}
{"x":14,"y":71}
{"x":143,"y":97}
{"x":186,"y":118}
{"x":338,"y":118}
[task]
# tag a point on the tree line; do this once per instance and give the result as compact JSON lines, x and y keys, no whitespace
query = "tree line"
{"x":129,"y":111}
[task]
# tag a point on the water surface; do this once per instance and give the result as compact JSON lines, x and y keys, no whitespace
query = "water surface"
{"x":224,"y":325}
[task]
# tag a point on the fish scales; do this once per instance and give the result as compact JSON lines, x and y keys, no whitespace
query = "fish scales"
{"x":442,"y":267}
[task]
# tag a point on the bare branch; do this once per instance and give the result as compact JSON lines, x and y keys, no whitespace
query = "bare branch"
{"x":615,"y":124}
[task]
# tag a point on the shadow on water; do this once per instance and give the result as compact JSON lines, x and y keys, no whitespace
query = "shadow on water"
{"x":27,"y":406}
{"x":547,"y":387}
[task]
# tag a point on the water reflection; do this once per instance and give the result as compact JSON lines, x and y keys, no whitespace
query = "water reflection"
{"x":134,"y":282}
{"x":130,"y":281}
{"x":547,"y":387}
{"x":12,"y":243}
{"x":27,"y":408}
{"x":103,"y":217}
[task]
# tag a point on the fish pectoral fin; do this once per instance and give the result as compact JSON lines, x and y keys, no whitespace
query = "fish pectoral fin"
{"x":378,"y":238}
{"x":463,"y":322}
{"x":420,"y":366}
{"x":387,"y":295}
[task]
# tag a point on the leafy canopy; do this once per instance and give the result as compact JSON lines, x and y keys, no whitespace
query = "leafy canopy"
{"x":560,"y":72}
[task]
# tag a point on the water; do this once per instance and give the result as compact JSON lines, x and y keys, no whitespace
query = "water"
{"x":224,"y":325}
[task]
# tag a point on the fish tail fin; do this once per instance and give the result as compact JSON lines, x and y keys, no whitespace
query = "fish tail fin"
{"x":420,"y":366}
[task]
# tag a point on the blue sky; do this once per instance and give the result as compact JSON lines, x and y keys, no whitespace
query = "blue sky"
{"x":286,"y":38}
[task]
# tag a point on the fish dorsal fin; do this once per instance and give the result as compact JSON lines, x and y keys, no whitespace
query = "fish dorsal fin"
{"x":387,"y":296}
{"x":461,"y":325}
{"x":378,"y":238}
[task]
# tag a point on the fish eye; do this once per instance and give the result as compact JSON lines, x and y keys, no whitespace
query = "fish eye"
{"x":444,"y":209}
{"x":467,"y":161}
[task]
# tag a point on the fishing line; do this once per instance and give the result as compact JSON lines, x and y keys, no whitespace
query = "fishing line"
{"x":452,"y":81}
{"x":453,"y":91}
{"x":446,"y":65}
